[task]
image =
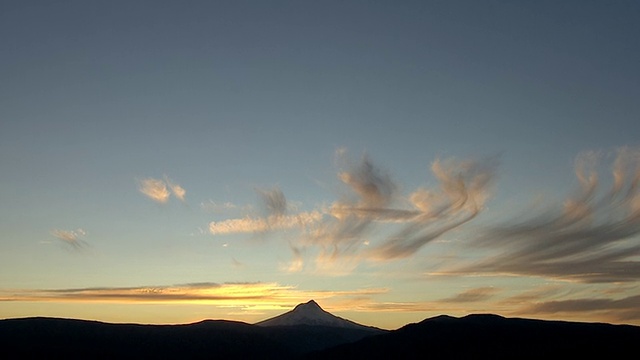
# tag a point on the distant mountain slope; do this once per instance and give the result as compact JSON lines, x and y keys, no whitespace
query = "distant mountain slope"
{"x":494,"y":337}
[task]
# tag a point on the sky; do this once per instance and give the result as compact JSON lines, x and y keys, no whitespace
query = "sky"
{"x":171,"y":161}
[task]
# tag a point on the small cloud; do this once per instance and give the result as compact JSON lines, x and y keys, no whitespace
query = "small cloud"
{"x":154,"y":189}
{"x":232,"y":226}
{"x":258,"y":224}
{"x":72,"y":238}
{"x":160,"y":190}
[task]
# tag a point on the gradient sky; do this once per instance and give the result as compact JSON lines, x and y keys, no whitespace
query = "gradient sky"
{"x":171,"y":161}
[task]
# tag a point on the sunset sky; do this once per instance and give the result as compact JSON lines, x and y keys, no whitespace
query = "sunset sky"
{"x":173,"y":161}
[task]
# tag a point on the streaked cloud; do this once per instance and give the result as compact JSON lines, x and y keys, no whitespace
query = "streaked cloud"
{"x":72,"y":238}
{"x":159,"y":190}
{"x":264,"y":295}
{"x":473,"y":295}
{"x":587,"y":304}
{"x":592,"y":237}
{"x":257,"y":224}
{"x":341,"y":235}
{"x":273,"y":218}
{"x":616,"y":303}
{"x":426,"y":215}
{"x":465,"y":186}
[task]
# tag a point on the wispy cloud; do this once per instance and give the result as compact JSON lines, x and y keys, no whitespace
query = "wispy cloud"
{"x":177,"y":190}
{"x":464,"y":187}
{"x":237,"y":264}
{"x":297,"y":262}
{"x":274,"y":217}
{"x":274,"y":201}
{"x":218,"y":207}
{"x":72,"y":238}
{"x":159,"y":190}
{"x":346,"y":230}
{"x":592,"y":237}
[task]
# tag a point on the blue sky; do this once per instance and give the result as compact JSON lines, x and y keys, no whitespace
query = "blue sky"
{"x":365,"y":150}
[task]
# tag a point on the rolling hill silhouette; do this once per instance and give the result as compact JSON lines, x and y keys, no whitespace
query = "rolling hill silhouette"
{"x":309,"y":332}
{"x":486,"y":336}
{"x":304,"y":329}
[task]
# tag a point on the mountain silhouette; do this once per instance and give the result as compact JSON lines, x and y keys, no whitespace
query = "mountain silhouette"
{"x":311,"y":336}
{"x":308,"y":328}
{"x":310,"y":313}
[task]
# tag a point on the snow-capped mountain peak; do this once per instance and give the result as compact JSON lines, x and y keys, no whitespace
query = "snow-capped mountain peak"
{"x":310,"y":313}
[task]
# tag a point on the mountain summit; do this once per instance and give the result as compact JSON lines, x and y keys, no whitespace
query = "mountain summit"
{"x":310,"y":313}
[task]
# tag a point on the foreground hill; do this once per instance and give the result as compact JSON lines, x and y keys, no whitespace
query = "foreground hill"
{"x":211,"y":339}
{"x":79,"y":339}
{"x":492,"y":337}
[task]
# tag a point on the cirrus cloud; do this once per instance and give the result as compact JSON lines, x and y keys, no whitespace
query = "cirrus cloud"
{"x":346,"y":231}
{"x":592,"y":237}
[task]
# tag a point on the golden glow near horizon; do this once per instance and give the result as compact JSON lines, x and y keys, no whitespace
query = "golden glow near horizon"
{"x":249,"y":295}
{"x":255,"y":301}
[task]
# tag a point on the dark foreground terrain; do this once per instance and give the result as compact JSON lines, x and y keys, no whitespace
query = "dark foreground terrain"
{"x":211,"y":339}
{"x":473,"y":336}
{"x":494,"y":337}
